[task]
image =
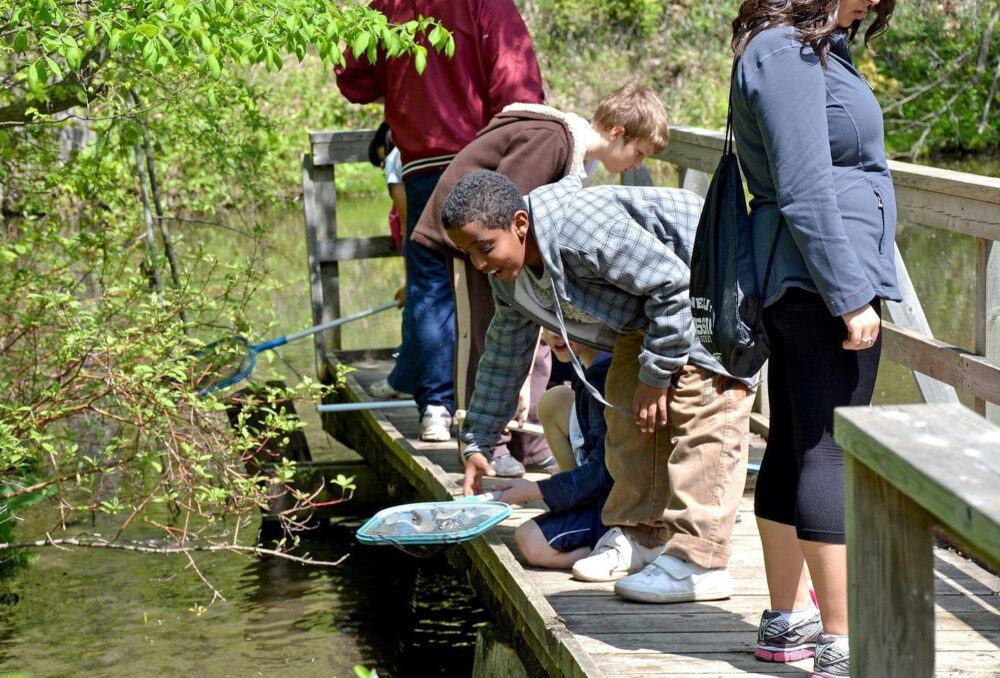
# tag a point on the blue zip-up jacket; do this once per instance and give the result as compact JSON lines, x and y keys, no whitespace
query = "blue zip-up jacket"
{"x":590,"y":482}
{"x":810,"y":142}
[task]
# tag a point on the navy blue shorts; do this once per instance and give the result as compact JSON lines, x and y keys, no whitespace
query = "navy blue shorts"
{"x":569,"y":530}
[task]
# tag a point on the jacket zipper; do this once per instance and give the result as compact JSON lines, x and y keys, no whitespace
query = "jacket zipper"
{"x":881,"y":211}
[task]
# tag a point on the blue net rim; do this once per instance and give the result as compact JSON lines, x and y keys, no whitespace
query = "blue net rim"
{"x":364,"y":535}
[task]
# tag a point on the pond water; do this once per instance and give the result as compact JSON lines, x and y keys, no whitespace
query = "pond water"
{"x":114,"y":614}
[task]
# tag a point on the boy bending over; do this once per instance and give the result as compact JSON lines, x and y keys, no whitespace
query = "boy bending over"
{"x":609,"y":265}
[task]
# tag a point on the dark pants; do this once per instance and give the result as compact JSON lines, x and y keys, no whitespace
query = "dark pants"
{"x":801,"y":480}
{"x":426,"y":355}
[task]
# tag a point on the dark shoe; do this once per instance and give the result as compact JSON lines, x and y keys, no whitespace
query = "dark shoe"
{"x":507,"y":466}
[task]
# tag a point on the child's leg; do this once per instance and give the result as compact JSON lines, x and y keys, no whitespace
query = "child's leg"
{"x":554,"y":410}
{"x":558,"y":540}
{"x":536,"y":549}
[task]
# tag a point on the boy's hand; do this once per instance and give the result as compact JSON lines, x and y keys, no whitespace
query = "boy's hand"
{"x":650,"y":407}
{"x":476,"y":466}
{"x":517,"y":490}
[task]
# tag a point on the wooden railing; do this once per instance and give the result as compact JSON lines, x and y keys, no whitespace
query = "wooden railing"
{"x":954,"y":201}
{"x":910,"y":468}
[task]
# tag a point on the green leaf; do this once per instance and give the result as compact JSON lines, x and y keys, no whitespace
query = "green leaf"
{"x":449,"y":49}
{"x":420,"y":59}
{"x":213,"y":65}
{"x":149,"y":30}
{"x":74,"y":57}
{"x":21,"y":41}
{"x":90,"y":29}
{"x":114,"y":40}
{"x":54,"y":68}
{"x":360,"y":44}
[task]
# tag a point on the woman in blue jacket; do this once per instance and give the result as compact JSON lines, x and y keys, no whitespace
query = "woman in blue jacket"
{"x":809,"y":137}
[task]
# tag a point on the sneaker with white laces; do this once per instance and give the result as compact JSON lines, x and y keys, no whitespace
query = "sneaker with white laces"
{"x":613,"y":557}
{"x":506,"y":466}
{"x":669,"y":579}
{"x":788,"y":637}
{"x":833,"y":657}
{"x":383,"y":391}
{"x":435,"y":424}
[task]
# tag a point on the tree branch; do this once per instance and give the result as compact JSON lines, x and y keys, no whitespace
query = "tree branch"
{"x":63,"y":95}
{"x":170,"y":550}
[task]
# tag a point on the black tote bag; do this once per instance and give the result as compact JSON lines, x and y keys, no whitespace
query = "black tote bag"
{"x":726,"y":301}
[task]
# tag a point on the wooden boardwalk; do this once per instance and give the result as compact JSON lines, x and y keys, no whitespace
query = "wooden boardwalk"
{"x":564,"y":627}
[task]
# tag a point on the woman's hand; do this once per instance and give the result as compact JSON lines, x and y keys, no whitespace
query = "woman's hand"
{"x":650,"y":407}
{"x":863,"y":326}
{"x":400,"y":297}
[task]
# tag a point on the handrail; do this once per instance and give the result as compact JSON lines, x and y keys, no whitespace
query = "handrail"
{"x":909,"y":468}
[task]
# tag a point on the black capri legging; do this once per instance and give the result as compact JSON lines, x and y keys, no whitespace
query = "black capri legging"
{"x":801,"y":480}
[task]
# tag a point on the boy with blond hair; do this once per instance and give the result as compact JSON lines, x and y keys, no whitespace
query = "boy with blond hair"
{"x":534,"y":145}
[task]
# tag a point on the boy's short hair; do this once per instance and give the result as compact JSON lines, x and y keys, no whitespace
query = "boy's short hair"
{"x":487,"y":198}
{"x":639,"y":111}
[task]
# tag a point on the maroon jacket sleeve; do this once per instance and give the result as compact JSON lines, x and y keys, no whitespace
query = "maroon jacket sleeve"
{"x":358,"y":79}
{"x":515,"y":75}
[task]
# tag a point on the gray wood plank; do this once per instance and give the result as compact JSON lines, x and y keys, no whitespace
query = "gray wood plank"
{"x":943,"y":457}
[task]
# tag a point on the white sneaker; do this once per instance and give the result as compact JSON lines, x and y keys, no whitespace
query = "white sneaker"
{"x":669,"y":579}
{"x":614,"y":556}
{"x":435,"y":424}
{"x":383,"y":391}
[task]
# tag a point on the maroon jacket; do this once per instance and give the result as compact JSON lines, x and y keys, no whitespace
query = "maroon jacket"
{"x":434,"y":115}
{"x":530,"y":150}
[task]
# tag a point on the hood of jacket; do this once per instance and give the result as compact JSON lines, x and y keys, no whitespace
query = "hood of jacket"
{"x":577,"y":128}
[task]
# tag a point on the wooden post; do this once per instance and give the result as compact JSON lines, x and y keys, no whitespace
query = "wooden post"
{"x":988,"y":313}
{"x":320,"y":204}
{"x":891,"y":578}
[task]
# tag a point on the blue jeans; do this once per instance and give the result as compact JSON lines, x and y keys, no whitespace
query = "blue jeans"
{"x":426,"y":356}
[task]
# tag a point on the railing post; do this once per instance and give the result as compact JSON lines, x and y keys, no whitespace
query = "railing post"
{"x":988,"y":313}
{"x":890,"y":572}
{"x":319,"y":196}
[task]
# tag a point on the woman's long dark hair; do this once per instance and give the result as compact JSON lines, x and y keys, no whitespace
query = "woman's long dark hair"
{"x":815,"y":22}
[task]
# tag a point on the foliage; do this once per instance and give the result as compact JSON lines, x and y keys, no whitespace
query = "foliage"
{"x":116,"y":120}
{"x":936,"y":71}
{"x":938,"y":76}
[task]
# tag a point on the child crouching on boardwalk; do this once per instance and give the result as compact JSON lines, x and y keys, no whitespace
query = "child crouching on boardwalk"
{"x":609,"y":266}
{"x":574,"y":422}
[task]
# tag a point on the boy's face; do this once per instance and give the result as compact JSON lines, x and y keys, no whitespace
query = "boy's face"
{"x":495,"y":252}
{"x":620,"y":155}
{"x":559,"y":349}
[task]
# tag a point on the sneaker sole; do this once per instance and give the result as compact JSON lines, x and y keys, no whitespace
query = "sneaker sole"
{"x":642,"y":596}
{"x":784,"y":656}
{"x":435,"y":438}
{"x":599,"y":579}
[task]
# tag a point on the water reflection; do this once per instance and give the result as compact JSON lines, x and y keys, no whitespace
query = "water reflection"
{"x":119,"y":614}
